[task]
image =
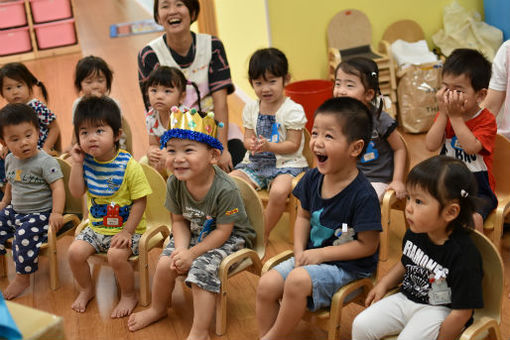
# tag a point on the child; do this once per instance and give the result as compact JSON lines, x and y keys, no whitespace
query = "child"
{"x":34,"y":197}
{"x":117,"y":192}
{"x":384,"y":161}
{"x":440,"y":269}
{"x":166,"y":88}
{"x":16,"y":84}
{"x":462,"y":129}
{"x":273,"y":134}
{"x":336,"y":235}
{"x":93,"y":77}
{"x":209,"y":221}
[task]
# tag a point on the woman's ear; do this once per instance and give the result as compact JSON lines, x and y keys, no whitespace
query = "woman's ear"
{"x":451,"y":211}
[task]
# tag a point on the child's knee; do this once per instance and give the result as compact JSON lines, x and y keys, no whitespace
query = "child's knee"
{"x":118,"y":256}
{"x":270,"y":286}
{"x":280,"y":192}
{"x":298,"y":282}
{"x":78,"y":251}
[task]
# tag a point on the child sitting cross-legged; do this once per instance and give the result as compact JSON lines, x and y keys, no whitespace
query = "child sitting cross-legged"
{"x":336,"y":234}
{"x":209,"y":221}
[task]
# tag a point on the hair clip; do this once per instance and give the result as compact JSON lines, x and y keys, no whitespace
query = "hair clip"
{"x":373,"y":74}
{"x":464,"y":193}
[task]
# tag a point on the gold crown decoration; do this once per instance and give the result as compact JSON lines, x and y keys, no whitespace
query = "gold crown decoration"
{"x":189,"y":124}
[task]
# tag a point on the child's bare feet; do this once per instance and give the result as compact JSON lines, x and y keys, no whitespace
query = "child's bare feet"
{"x":16,"y":287}
{"x":80,"y":304}
{"x":125,"y":306}
{"x":196,"y":336}
{"x":144,"y":318}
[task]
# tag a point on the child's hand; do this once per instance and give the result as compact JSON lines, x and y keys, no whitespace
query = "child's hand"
{"x":441,"y":100}
{"x":3,"y":151}
{"x":56,"y":221}
{"x":310,"y":256}
{"x":262,"y":144}
{"x":2,"y":205}
{"x":77,"y":154}
{"x":376,"y":294}
{"x":154,"y":156}
{"x":252,"y":145}
{"x":121,"y":240}
{"x":399,"y":187}
{"x":182,"y":259}
{"x":455,"y":103}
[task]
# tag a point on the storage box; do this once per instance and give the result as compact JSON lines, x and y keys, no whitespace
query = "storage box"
{"x":12,"y":14}
{"x":16,"y":40}
{"x":54,"y":34}
{"x":50,"y":10}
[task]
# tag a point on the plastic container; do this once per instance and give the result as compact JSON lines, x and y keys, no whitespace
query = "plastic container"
{"x":16,"y":40}
{"x":496,"y":14}
{"x":55,"y":34}
{"x":310,"y":94}
{"x":50,"y":10}
{"x":12,"y":14}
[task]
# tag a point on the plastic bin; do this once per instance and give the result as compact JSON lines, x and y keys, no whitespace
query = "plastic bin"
{"x":16,"y":40}
{"x":55,"y":34}
{"x":50,"y":10}
{"x":310,"y":94}
{"x":12,"y":14}
{"x":496,"y":14}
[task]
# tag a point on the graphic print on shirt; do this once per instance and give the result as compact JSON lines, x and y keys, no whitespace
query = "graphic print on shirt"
{"x":319,"y":233}
{"x":452,"y":148}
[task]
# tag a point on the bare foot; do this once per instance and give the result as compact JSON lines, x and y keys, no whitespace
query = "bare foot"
{"x":144,"y":318}
{"x":197,"y":336}
{"x":16,"y":287}
{"x":125,"y":306}
{"x":80,"y":304}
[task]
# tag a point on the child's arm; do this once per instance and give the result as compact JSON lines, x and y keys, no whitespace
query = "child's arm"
{"x":399,"y":163}
{"x":76,"y":182}
{"x":250,"y":140}
{"x":53,"y":133}
{"x":435,"y":136}
{"x":454,"y":323}
{"x":123,"y":238}
{"x":390,"y":280}
{"x":58,"y":195}
{"x":494,"y":100}
{"x":6,"y":200}
{"x":301,"y":232}
{"x":154,"y":153}
{"x":289,"y":146}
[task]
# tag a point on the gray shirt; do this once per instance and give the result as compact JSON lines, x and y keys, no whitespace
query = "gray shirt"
{"x":30,"y":181}
{"x":223,"y":203}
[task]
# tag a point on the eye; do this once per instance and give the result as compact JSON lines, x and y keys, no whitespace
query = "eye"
{"x":83,"y":133}
{"x":99,"y":131}
{"x":170,"y":151}
{"x":329,"y":136}
{"x":168,"y":91}
{"x":418,"y":201}
{"x":314,"y":134}
{"x":337,"y":83}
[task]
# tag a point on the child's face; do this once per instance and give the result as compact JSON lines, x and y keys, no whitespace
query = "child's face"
{"x":462,"y":84}
{"x":94,"y":85}
{"x":350,"y":85}
{"x":269,"y":90}
{"x":21,"y":139}
{"x":162,"y":98}
{"x":98,"y":140}
{"x":15,"y":92}
{"x":331,"y":148}
{"x":174,"y":16}
{"x":189,"y":160}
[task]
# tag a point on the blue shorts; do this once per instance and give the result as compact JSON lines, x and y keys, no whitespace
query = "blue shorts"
{"x":326,"y":280}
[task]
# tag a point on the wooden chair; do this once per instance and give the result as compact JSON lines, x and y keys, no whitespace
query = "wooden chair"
{"x":72,"y":216}
{"x":158,"y":228}
{"x":292,"y":201}
{"x":493,"y":225}
{"x":488,"y":318}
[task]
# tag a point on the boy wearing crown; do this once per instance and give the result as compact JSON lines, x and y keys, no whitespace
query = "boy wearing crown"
{"x":209,"y":221}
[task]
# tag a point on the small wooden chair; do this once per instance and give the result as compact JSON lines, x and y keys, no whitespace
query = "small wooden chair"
{"x":488,"y":318}
{"x":72,"y":216}
{"x":158,"y":228}
{"x":493,"y":225}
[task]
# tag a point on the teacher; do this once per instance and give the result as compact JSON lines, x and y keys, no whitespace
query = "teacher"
{"x":202,"y":59}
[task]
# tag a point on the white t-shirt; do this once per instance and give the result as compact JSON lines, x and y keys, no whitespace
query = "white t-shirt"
{"x":500,"y":81}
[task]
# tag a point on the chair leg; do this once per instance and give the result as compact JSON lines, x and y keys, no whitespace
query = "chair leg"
{"x":143,"y":272}
{"x":3,"y":266}
{"x":52,"y":254}
{"x":221,"y":311}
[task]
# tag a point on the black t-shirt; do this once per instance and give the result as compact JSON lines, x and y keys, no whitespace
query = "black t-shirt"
{"x":457,"y":260}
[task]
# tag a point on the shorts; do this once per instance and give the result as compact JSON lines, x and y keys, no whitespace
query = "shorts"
{"x":101,"y":243}
{"x":263,"y":179}
{"x":326,"y":280}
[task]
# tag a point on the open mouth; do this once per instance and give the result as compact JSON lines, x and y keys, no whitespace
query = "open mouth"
{"x":174,"y":22}
{"x":321,"y":158}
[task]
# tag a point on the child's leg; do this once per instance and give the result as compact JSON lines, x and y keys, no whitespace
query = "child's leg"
{"x":241,"y":174}
{"x":78,"y":253}
{"x":280,"y":190}
{"x":269,"y":293}
{"x":203,"y":311}
{"x":124,"y":273}
{"x":380,"y":189}
{"x":162,"y":286}
{"x":425,"y":322}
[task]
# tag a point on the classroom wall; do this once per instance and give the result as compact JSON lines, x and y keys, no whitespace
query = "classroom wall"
{"x":298,"y":27}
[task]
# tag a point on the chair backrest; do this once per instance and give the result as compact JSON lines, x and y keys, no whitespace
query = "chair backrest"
{"x":501,"y":165}
{"x":129,"y":137}
{"x":307,"y":152}
{"x":348,"y":29}
{"x":407,"y":30}
{"x":156,"y":213}
{"x":73,"y":204}
{"x":255,"y":212}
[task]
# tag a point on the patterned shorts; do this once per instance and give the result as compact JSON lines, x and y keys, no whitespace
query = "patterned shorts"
{"x":101,"y":243}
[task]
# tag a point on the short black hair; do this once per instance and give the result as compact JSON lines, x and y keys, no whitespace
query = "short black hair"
{"x":166,"y":76}
{"x":93,"y":110}
{"x":471,"y":63}
{"x":353,"y":116}
{"x":15,"y":114}
{"x":192,"y":5}
{"x":270,"y":60}
{"x":92,"y":65}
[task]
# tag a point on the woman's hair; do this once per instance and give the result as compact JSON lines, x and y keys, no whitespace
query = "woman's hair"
{"x":93,"y":110}
{"x":192,"y":5}
{"x":268,"y":60}
{"x":19,"y":72}
{"x":92,"y":65}
{"x":368,"y":72}
{"x":16,"y":114}
{"x":447,"y":179}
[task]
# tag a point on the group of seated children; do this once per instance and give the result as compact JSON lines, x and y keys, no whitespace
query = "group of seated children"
{"x":359,"y":155}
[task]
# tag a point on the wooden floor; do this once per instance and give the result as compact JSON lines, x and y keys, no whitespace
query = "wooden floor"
{"x":93,"y":19}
